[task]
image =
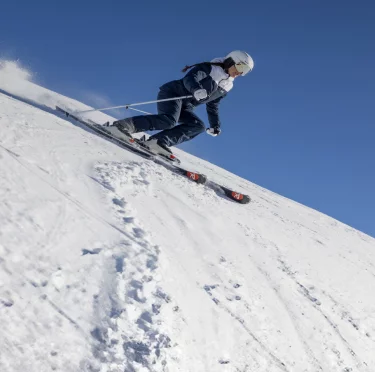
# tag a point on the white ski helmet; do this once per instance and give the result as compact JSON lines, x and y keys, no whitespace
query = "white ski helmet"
{"x":243,"y":62}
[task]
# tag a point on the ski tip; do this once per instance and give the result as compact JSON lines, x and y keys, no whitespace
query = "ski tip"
{"x":202,"y":179}
{"x":246,"y":199}
{"x":240,"y":198}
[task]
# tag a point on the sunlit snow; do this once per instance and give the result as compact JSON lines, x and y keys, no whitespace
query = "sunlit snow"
{"x":109,"y":262}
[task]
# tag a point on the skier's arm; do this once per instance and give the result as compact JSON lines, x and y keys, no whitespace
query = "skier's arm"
{"x":195,"y":75}
{"x":213,"y":113}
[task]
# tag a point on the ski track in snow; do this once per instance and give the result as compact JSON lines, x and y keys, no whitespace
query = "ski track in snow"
{"x":131,"y":300}
{"x":129,"y":292}
{"x":111,"y":263}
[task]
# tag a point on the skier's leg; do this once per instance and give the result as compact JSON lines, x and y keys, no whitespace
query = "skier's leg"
{"x":168,"y":114}
{"x":190,"y":126}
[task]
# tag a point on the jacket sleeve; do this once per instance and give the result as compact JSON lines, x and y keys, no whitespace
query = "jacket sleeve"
{"x":195,"y":75}
{"x":213,"y":112}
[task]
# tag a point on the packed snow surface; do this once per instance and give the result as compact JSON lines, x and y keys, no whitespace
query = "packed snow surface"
{"x":110,"y":262}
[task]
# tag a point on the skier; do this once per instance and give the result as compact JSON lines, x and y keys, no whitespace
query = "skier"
{"x":208,"y":83}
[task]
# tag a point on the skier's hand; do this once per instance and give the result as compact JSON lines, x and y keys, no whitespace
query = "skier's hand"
{"x":215,"y":131}
{"x":200,"y":94}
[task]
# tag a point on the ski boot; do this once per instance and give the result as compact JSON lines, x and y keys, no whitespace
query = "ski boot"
{"x":122,"y":129}
{"x":159,"y":148}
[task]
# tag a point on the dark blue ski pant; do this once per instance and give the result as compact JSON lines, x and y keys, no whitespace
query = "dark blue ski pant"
{"x":169,"y":114}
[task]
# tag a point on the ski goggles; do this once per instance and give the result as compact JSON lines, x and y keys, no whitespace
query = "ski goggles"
{"x":242,"y":68}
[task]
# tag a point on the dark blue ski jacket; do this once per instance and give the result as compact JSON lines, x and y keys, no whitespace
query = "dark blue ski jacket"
{"x":213,"y":79}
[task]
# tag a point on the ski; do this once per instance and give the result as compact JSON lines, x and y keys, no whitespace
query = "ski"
{"x":172,"y":163}
{"x":234,"y":195}
{"x":168,"y":162}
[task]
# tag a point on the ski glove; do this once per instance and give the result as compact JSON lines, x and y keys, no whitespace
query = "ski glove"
{"x":200,"y":94}
{"x":215,"y":131}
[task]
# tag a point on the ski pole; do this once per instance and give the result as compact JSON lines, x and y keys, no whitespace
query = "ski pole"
{"x":141,"y":111}
{"x":133,"y":104}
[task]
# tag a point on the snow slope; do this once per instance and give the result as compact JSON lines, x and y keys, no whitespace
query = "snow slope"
{"x":108,"y":262}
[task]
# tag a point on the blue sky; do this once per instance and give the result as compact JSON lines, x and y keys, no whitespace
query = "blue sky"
{"x":301,"y":124}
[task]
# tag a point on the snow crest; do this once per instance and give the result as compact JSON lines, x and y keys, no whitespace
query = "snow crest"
{"x":13,"y":71}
